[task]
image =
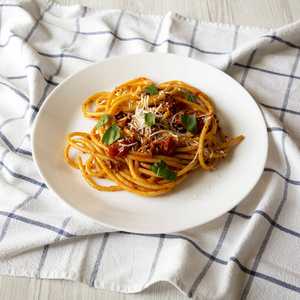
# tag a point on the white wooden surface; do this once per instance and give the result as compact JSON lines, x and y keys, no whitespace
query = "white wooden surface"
{"x":263,"y":13}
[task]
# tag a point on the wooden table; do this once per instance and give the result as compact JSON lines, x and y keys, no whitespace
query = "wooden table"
{"x":263,"y":13}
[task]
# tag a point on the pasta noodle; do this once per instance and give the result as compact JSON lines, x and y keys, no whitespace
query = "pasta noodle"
{"x":148,"y":138}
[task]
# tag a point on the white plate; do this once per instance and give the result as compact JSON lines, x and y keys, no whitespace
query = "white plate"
{"x":217,"y":191}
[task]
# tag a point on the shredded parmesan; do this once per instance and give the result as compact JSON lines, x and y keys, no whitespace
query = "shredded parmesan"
{"x":209,"y":151}
{"x":157,"y":132}
{"x":127,"y":145}
{"x":138,"y":118}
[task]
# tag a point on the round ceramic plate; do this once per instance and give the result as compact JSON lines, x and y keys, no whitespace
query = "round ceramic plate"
{"x":204,"y":196}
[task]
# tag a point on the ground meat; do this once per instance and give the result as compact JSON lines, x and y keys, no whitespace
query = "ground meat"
{"x":145,"y":145}
{"x":118,"y":149}
{"x":199,"y":119}
{"x":122,"y":119}
{"x":164,"y":147}
{"x":180,"y":127}
{"x":170,"y":103}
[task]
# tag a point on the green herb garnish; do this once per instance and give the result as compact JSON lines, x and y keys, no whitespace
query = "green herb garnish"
{"x":149,"y":119}
{"x":188,"y":96}
{"x":103,"y":120}
{"x":151,"y":89}
{"x":161,"y":169}
{"x":190,"y":122}
{"x":111,"y":134}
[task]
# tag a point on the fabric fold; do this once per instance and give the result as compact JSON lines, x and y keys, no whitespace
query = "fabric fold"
{"x":247,"y":253}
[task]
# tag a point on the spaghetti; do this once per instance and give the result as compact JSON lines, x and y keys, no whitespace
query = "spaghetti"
{"x":148,"y":138}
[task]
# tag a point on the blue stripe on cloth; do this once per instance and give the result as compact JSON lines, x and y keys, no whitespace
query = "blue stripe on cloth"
{"x":98,"y":260}
{"x":273,"y":37}
{"x":157,"y":34}
{"x":25,"y":76}
{"x":46,"y":248}
{"x":37,"y":23}
{"x":35,"y":67}
{"x":36,"y":223}
{"x":268,"y":218}
{"x":7,"y":142}
{"x":290,"y":83}
{"x":294,"y":112}
{"x":251,"y":57}
{"x":39,"y":69}
{"x":155,"y":260}
{"x":16,"y":77}
{"x":72,"y":42}
{"x":42,"y":261}
{"x":273,"y":129}
{"x":14,"y":119}
{"x":182,"y":44}
{"x":278,"y":39}
{"x":215,"y":253}
{"x":5,"y":152}
{"x":223,"y":262}
{"x":34,"y":108}
{"x":179,"y":237}
{"x":266,"y":71}
{"x":266,"y":277}
{"x":193,"y":39}
{"x":15,"y":91}
{"x":208,"y":255}
{"x":52,"y":82}
{"x":8,"y":40}
{"x":288,"y":180}
{"x":11,"y":5}
{"x":8,"y":219}
{"x":23,"y":177}
{"x":22,"y":151}
{"x":46,"y":89}
{"x":284,"y":196}
{"x":62,"y":55}
{"x":114,"y":35}
{"x":235,"y":39}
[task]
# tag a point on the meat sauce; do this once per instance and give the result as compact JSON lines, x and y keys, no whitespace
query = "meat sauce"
{"x":118,"y":149}
{"x":162,"y":147}
{"x":147,"y":145}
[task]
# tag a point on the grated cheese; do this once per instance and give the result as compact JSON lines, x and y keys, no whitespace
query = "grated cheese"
{"x":127,"y":145}
{"x":156,"y":132}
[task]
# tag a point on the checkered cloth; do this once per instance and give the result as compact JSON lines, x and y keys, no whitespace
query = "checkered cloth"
{"x":251,"y":252}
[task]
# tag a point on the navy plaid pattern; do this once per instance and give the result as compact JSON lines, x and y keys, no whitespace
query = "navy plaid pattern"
{"x":249,"y":253}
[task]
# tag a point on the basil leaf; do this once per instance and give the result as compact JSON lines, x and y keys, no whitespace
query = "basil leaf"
{"x":149,"y":119}
{"x":188,"y":96}
{"x":161,"y":169}
{"x":111,"y":134}
{"x":103,"y":120}
{"x":190,"y":122}
{"x":151,"y":89}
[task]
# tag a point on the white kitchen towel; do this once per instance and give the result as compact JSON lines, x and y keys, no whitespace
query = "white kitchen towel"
{"x":251,"y":252}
